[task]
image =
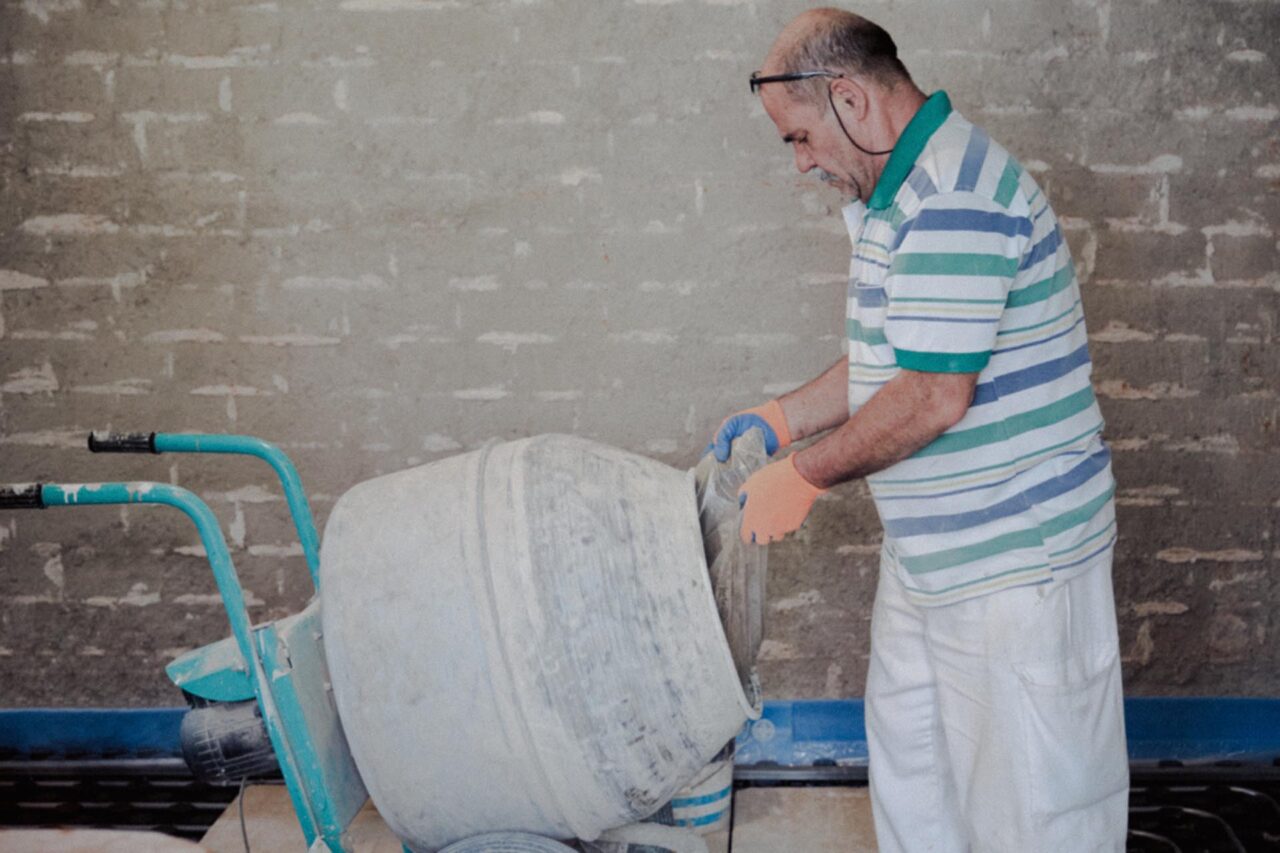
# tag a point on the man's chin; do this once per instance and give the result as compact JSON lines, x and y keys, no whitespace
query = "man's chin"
{"x":847,"y":191}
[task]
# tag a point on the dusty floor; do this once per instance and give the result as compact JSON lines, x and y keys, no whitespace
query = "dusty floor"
{"x":766,"y":820}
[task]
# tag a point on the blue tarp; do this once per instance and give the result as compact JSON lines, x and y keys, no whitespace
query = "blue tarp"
{"x":790,"y":733}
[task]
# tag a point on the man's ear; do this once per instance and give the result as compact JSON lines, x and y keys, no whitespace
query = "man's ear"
{"x":850,"y":95}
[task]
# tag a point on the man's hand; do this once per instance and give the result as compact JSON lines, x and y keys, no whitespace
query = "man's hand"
{"x":769,"y":418}
{"x":776,"y":500}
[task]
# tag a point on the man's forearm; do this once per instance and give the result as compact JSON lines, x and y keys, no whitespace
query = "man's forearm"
{"x":905,"y":415}
{"x":820,"y":404}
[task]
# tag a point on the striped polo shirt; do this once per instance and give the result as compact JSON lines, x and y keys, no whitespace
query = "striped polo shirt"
{"x":959,"y":266}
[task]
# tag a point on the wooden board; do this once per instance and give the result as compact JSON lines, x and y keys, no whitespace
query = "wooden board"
{"x":815,"y":820}
{"x":272,"y":826}
{"x":767,"y":820}
{"x":91,"y":841}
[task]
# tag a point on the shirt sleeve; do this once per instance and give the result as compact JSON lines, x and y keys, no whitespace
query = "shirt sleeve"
{"x":952,"y":267}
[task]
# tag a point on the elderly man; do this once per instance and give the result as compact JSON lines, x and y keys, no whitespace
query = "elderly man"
{"x":994,"y":708}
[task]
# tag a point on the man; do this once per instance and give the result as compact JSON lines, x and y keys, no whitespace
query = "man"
{"x":994,"y":709}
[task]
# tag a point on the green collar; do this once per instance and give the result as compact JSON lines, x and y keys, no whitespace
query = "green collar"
{"x":915,"y":136}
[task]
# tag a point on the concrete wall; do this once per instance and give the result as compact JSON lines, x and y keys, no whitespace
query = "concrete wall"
{"x":382,"y":231}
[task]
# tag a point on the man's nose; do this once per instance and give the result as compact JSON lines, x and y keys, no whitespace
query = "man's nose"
{"x":803,"y":161}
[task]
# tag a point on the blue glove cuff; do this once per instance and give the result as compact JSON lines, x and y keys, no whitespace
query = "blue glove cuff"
{"x":736,"y":426}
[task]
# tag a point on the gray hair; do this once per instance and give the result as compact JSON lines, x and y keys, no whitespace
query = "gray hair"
{"x":841,"y":41}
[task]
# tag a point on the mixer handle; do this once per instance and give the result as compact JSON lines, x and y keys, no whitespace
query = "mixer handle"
{"x":133,"y":442}
{"x":21,"y":496}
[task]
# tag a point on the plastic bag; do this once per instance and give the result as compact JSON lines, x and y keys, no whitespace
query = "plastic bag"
{"x":738,"y":571}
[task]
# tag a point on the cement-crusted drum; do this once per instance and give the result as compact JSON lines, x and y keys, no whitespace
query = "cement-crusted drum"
{"x":525,"y":638}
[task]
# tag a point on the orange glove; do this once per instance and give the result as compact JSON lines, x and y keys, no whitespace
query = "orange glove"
{"x":768,"y":417}
{"x":775,"y":500}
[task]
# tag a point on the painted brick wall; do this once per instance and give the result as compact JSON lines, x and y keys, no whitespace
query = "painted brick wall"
{"x":382,"y":231}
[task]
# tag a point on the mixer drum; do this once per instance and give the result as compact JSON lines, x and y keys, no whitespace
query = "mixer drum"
{"x":525,"y":638}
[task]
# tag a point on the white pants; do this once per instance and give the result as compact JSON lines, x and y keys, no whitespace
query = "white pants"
{"x":997,"y":724}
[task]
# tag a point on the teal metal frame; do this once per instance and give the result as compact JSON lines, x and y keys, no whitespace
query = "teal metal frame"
{"x":247,"y":445}
{"x":280,"y":664}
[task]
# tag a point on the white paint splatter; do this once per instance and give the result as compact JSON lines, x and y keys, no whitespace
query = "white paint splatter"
{"x":511,"y":341}
{"x":64,"y":118}
{"x":1253,"y":113}
{"x":1246,"y":55}
{"x":290,"y":340}
{"x":32,"y":380}
{"x":69,"y":224}
{"x":398,"y":5}
{"x":1191,"y":555}
{"x":184,"y":336}
{"x":44,"y":9}
{"x":478,"y":283}
{"x":14,"y":280}
{"x":490,"y":392}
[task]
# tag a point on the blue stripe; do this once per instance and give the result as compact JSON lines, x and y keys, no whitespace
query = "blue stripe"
{"x":864,"y":259}
{"x":685,"y":802}
{"x":1043,"y":249}
{"x":941,"y":319}
{"x":963,"y":219}
{"x":1029,"y":377}
{"x":921,"y":183}
{"x":1087,"y":557}
{"x":1041,"y":341}
{"x":1077,"y":476}
{"x":975,"y":154}
{"x":871,"y":297}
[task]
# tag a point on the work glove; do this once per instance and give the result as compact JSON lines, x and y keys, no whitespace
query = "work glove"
{"x":768,"y":418}
{"x":775,"y":501}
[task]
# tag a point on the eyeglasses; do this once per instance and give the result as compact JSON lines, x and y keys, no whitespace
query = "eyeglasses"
{"x":757,"y":81}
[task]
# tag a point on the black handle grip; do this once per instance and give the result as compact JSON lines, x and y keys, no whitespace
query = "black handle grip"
{"x":133,"y":442}
{"x":21,"y":496}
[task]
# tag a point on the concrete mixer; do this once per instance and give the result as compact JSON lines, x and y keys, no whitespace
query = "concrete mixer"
{"x":525,"y":637}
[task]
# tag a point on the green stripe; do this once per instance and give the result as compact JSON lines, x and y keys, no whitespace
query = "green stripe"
{"x":1073,"y":307}
{"x":967,"y":439}
{"x":953,"y":263}
{"x":1042,"y":290}
{"x":977,"y":551}
{"x":898,"y":299}
{"x":1078,"y":516}
{"x":1083,"y":542}
{"x":1009,"y":541}
{"x":869,"y":242}
{"x":1008,"y":183}
{"x":939,"y":362}
{"x":872,"y":335}
{"x":981,"y":580}
{"x":962,"y":474}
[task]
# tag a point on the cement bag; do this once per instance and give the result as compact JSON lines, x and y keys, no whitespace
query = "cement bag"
{"x":525,"y":638}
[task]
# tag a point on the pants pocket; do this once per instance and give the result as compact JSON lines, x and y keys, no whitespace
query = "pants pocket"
{"x":1073,"y":723}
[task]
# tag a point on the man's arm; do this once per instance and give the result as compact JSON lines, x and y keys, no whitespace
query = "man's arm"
{"x":910,"y":411}
{"x":819,"y":404}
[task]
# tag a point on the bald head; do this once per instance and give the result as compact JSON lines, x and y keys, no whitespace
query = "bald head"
{"x":834,"y":40}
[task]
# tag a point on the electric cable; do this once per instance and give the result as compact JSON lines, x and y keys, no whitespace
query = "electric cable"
{"x":831,"y":100}
{"x":244,"y":830}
